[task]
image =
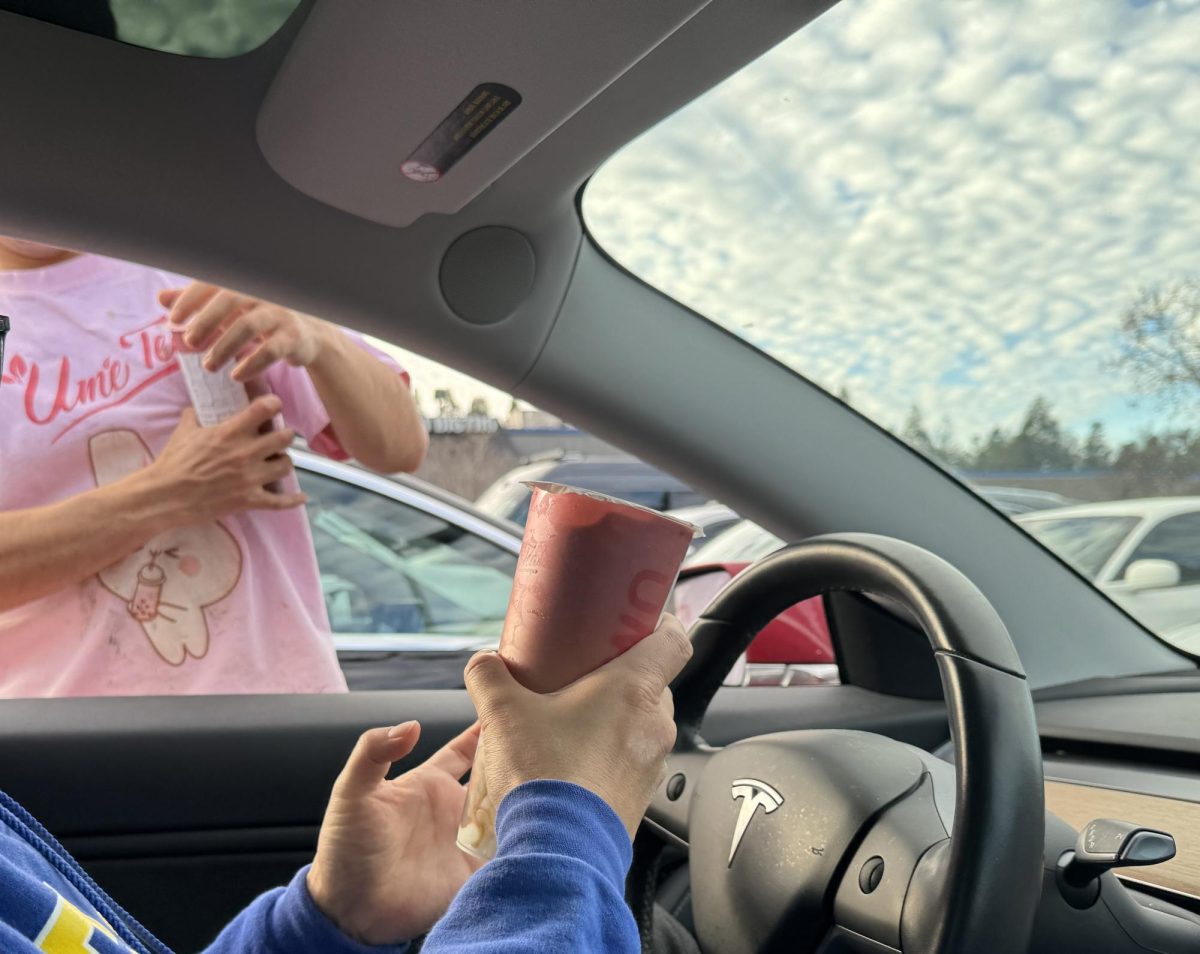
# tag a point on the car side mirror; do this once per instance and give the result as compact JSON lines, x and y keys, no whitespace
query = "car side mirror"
{"x":1152,"y":574}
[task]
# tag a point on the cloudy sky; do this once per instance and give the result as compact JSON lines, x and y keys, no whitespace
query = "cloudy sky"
{"x":939,"y":202}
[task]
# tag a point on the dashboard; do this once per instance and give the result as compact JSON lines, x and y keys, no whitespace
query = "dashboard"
{"x":1125,"y":749}
{"x":1130,"y":749}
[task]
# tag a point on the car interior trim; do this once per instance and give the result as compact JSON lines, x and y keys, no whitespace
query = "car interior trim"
{"x":1079,"y":804}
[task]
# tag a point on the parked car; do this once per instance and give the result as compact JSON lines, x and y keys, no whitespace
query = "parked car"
{"x":793,"y":649}
{"x":1145,"y":554}
{"x":1018,"y":500}
{"x":415,"y":579}
{"x":625,"y":477}
{"x":712,"y":518}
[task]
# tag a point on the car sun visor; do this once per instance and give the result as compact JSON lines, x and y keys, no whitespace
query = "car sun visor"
{"x":393,"y":110}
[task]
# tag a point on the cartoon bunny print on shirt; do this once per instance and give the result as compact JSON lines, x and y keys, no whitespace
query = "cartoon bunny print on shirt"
{"x":168,"y":583}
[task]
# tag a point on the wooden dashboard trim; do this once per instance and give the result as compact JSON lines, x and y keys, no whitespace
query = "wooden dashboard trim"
{"x":1079,"y":804}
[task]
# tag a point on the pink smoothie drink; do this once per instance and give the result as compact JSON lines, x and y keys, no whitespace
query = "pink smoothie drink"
{"x":591,"y":581}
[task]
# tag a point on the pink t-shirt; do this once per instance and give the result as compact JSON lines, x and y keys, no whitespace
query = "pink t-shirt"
{"x":91,"y":391}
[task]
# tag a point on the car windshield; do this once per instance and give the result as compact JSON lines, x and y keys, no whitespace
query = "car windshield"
{"x":977,"y":223}
{"x":1087,"y":543}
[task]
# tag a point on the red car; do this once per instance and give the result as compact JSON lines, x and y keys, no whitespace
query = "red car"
{"x":795,"y":648}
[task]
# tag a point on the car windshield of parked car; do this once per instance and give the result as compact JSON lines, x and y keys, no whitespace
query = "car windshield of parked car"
{"x":977,"y":223}
{"x":1087,"y":543}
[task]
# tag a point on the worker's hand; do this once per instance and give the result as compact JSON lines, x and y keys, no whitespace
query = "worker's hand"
{"x":387,"y":866}
{"x":205,"y":473}
{"x":610,"y":732}
{"x":231,"y":325}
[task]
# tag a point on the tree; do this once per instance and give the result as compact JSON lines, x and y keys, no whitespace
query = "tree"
{"x":995,"y":453}
{"x":1097,"y":455}
{"x":1041,"y":444}
{"x":447,"y":406}
{"x":914,"y":433}
{"x":944,"y":446}
{"x":1160,"y":342}
{"x":479,"y":408}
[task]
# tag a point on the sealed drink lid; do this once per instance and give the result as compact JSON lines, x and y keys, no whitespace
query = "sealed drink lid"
{"x":549,"y":487}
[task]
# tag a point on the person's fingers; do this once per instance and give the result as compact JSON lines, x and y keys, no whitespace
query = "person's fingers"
{"x":274,"y":349}
{"x":187,"y":421}
{"x":276,"y":468}
{"x":249,"y":419}
{"x":374,"y":754}
{"x":490,"y":685}
{"x":266,"y":500}
{"x":259,"y":321}
{"x":272,"y":443}
{"x":666,"y":710}
{"x":661,"y":655}
{"x":168,"y":296}
{"x":212,"y":316}
{"x":189,"y":300}
{"x":455,"y":757}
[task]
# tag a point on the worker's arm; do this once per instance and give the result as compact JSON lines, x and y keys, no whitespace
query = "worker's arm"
{"x":203,"y":473}
{"x":368,"y":402}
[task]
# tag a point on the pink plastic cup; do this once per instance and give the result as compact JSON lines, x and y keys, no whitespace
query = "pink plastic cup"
{"x":592,"y":580}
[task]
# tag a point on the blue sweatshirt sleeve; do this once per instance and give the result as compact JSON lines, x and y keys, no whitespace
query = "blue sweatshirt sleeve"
{"x":556,"y":884}
{"x":286,"y":921}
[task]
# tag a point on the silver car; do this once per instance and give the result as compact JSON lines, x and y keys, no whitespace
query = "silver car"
{"x":408,"y":572}
{"x":1142,"y":553}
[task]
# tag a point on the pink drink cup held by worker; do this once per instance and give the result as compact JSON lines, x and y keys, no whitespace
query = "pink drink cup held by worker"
{"x":592,"y":580}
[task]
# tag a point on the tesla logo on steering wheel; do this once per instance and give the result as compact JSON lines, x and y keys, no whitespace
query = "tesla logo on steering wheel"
{"x":753,"y":794}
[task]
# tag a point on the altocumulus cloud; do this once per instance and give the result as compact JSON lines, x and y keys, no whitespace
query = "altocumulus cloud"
{"x":932,"y":203}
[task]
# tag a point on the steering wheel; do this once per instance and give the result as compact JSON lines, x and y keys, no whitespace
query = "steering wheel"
{"x":832,"y":840}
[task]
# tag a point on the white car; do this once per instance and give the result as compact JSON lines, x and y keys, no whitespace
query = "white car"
{"x":415,"y":579}
{"x":1145,"y":554}
{"x":712,"y":518}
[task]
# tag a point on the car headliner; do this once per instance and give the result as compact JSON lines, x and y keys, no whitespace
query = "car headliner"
{"x":157,"y":158}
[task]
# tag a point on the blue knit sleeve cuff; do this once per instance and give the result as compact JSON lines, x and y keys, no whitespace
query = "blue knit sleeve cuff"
{"x":301,"y":926}
{"x":560,"y":818}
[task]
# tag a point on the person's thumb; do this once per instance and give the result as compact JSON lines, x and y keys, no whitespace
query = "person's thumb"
{"x":187,"y":421}
{"x":373,"y":756}
{"x":490,"y":685}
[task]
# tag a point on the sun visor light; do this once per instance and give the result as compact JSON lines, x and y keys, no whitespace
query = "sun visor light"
{"x":390,"y":110}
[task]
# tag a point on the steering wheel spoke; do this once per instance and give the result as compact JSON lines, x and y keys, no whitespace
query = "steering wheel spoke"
{"x":869,"y":902}
{"x":672,"y":802}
